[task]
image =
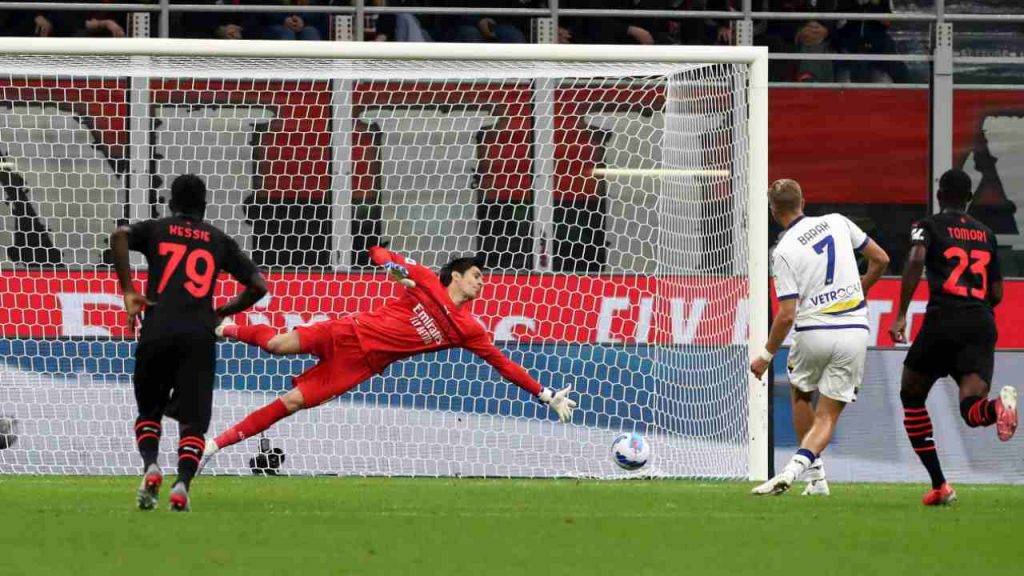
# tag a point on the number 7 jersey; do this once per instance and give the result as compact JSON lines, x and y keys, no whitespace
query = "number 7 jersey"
{"x":814,"y":262}
{"x":184,"y":258}
{"x":961,"y":261}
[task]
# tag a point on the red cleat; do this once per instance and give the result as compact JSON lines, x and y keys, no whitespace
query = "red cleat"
{"x":1006,"y":413}
{"x":939,"y":496}
{"x":179,"y":498}
{"x":149,"y":490}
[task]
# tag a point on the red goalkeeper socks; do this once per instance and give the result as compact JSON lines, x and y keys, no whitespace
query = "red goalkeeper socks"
{"x":253,"y":424}
{"x":255,"y":334}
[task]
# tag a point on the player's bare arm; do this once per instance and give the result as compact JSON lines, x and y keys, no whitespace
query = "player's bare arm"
{"x":878,"y":261}
{"x":912,"y":271}
{"x":781,"y":326}
{"x":134,"y":302}
{"x":255,"y":288}
{"x":995,"y":293}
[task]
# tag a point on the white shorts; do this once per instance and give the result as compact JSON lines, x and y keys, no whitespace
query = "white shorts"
{"x":829,"y":361}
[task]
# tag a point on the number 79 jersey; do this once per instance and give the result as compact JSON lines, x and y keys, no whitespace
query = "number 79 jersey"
{"x":184,"y":258}
{"x":961,"y":260}
{"x":814,"y":262}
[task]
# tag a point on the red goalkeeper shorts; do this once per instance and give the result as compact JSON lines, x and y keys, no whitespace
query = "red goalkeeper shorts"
{"x":342,"y":364}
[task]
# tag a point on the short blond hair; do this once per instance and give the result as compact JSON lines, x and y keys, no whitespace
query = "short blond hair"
{"x":785,"y":195}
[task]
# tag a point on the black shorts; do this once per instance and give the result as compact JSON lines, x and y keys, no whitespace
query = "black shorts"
{"x":174,"y":377}
{"x":955,"y":343}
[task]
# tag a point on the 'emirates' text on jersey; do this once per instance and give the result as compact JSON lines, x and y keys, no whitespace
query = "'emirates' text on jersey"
{"x":184,"y":258}
{"x":814,"y":262}
{"x":961,"y":261}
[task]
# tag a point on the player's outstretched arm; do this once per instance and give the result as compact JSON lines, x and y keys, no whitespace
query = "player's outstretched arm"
{"x":878,"y":261}
{"x":558,"y":400}
{"x":133,"y":301}
{"x":401,"y":269}
{"x":908,"y":285}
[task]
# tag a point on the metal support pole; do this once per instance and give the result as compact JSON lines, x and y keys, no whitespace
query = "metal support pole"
{"x":941,"y":106}
{"x":543,"y":173}
{"x":165,"y":18}
{"x":342,"y":213}
{"x":360,"y":23}
{"x":745,"y":27}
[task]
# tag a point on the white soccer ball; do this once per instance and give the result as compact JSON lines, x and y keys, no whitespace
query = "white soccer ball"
{"x":631,"y":451}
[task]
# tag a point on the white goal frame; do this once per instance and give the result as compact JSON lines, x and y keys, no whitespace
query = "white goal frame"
{"x":757,"y":101}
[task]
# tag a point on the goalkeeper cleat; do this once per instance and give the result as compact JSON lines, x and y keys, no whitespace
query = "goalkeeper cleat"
{"x":1006,"y":413}
{"x":776,"y":486}
{"x":939,"y":496}
{"x":149,"y":489}
{"x":179,"y":498}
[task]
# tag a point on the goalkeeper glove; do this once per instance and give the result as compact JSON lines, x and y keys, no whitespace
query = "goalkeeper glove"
{"x":559,"y":402}
{"x":399,"y":274}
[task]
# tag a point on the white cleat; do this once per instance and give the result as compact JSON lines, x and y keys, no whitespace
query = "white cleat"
{"x":816,"y":488}
{"x":777,"y":485}
{"x":817,"y":485}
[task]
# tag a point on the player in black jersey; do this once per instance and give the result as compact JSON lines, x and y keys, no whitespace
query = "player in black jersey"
{"x":958,"y":336}
{"x":174,"y":359}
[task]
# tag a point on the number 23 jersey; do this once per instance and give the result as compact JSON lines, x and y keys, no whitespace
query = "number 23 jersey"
{"x":961,"y":261}
{"x":184,"y":257}
{"x":814,"y":262}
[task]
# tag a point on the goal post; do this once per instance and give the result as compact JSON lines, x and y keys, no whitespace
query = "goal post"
{"x":616,"y":194}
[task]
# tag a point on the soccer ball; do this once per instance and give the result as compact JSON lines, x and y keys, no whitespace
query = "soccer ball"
{"x":631,"y":451}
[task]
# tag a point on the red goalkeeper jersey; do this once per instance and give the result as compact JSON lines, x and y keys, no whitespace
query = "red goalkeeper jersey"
{"x":425,"y":319}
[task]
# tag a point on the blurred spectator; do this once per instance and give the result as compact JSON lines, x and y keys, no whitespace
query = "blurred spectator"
{"x":486,"y":27}
{"x":398,"y":27}
{"x":701,"y":31}
{"x":97,"y":23}
{"x":867,"y":37}
{"x":794,"y":36}
{"x":227,"y":25}
{"x":26,"y":23}
{"x":615,"y":30}
{"x":296,"y":25}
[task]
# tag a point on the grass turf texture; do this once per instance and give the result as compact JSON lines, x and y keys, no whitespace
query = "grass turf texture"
{"x":85,"y":525}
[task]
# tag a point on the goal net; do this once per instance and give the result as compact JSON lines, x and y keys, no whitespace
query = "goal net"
{"x":610,"y":200}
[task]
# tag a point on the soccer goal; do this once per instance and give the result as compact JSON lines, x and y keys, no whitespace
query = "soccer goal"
{"x":616,"y":195}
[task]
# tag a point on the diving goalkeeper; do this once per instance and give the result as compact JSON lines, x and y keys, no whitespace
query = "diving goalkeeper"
{"x":430,"y":315}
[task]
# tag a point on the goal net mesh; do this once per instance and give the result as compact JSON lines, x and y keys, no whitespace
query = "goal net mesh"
{"x":629,"y":284}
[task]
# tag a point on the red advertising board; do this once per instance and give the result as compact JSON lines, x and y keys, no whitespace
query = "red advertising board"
{"x":523,"y":308}
{"x":527,"y":308}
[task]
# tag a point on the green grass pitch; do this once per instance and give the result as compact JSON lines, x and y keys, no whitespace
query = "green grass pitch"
{"x":86,"y":525}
